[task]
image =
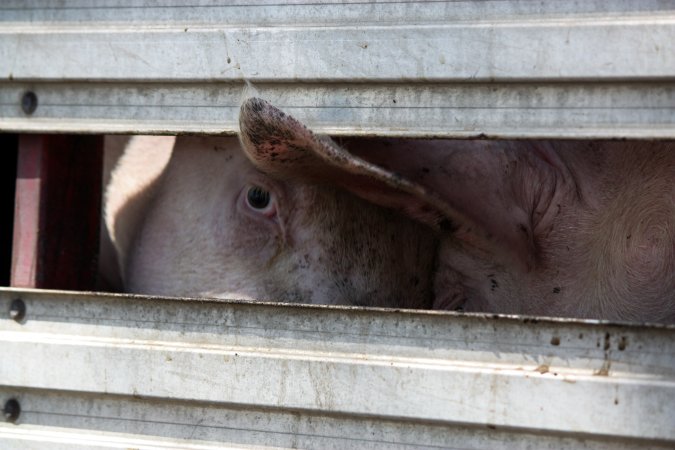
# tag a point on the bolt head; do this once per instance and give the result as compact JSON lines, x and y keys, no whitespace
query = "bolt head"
{"x":17,"y":310}
{"x":29,"y":102}
{"x":12,"y":410}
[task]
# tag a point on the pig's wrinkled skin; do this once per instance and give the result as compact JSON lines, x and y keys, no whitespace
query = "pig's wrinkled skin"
{"x":178,"y":218}
{"x":559,"y":228}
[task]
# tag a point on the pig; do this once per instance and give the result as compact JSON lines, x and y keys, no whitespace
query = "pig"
{"x":192,"y":216}
{"x":556,"y":228}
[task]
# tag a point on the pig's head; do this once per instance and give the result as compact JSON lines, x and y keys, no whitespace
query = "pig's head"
{"x":550,"y":228}
{"x":218,"y":227}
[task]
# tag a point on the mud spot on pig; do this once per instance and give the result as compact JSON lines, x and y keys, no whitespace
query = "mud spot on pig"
{"x":493,"y":284}
{"x":556,"y":290}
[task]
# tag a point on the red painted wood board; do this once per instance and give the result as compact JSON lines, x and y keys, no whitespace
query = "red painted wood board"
{"x":57,"y":211}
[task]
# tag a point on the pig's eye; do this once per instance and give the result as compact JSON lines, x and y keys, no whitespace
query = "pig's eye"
{"x":257,"y":197}
{"x":261,"y":201}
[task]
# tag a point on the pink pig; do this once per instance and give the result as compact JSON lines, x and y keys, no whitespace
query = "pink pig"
{"x":556,"y":228}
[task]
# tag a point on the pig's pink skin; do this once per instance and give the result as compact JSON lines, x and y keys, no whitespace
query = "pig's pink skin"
{"x":559,"y":228}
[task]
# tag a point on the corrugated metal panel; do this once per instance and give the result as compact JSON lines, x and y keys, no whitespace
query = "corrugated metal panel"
{"x":123,"y":371}
{"x":412,"y":68}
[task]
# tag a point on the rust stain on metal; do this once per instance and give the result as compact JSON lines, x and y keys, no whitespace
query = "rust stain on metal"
{"x":542,"y":369}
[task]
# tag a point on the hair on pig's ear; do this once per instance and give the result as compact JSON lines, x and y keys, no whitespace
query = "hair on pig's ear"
{"x":249,"y":91}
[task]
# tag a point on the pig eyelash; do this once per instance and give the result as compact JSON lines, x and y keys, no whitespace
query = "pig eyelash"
{"x":260,"y":201}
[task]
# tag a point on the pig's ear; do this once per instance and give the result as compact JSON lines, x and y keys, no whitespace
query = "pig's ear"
{"x":283,"y":147}
{"x":462,"y":204}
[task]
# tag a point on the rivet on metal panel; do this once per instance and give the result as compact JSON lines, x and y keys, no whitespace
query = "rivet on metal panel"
{"x":29,"y":102}
{"x":12,"y":410}
{"x":17,"y":310}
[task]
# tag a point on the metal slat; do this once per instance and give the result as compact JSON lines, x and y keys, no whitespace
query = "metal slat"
{"x":584,"y":110}
{"x":511,"y":51}
{"x":112,"y":421}
{"x":448,"y":68}
{"x":263,"y":374}
{"x":303,"y":12}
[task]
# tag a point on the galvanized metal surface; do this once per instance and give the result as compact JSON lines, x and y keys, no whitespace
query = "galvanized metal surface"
{"x":107,"y":371}
{"x":524,"y":68}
